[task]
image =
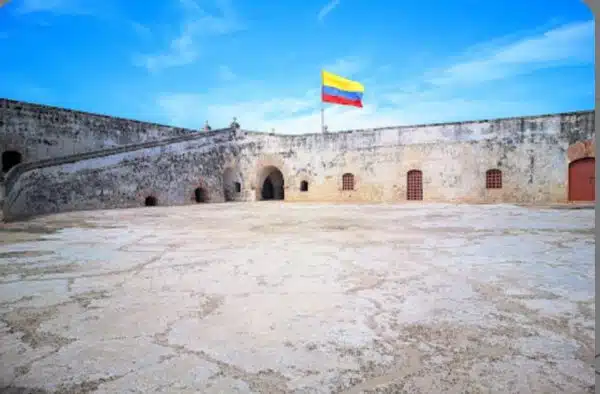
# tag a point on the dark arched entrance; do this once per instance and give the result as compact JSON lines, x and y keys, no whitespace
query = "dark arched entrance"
{"x":151,"y":201}
{"x":10,"y":158}
{"x":272,"y":184}
{"x":582,"y":180}
{"x":200,"y":195}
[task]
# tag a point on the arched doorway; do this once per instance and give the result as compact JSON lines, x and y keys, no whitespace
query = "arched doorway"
{"x":10,"y":158}
{"x":271,"y":184}
{"x":582,"y":179}
{"x":151,"y":201}
{"x":200,"y":195}
{"x":414,"y":185}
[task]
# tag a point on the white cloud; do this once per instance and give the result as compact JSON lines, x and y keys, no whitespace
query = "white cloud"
{"x":299,"y":115}
{"x":181,"y":51}
{"x":197,"y":24}
{"x":189,"y":109}
{"x":101,"y":10}
{"x":569,"y":44}
{"x":439,"y":95}
{"x":323,"y":12}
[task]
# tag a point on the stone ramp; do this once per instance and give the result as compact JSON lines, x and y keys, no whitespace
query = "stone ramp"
{"x":12,"y":176}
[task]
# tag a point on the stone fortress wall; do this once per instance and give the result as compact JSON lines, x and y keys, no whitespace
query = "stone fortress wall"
{"x":31,"y":132}
{"x":522,"y":160}
{"x":41,"y":132}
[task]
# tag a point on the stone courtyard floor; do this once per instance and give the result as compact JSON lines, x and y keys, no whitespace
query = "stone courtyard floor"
{"x":299,"y":298}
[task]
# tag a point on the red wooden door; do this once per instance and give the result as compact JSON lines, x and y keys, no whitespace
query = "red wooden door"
{"x":582,"y":180}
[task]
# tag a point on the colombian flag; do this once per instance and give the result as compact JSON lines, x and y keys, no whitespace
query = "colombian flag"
{"x":339,"y":90}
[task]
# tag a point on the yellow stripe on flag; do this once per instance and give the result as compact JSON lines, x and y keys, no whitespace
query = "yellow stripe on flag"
{"x":341,"y":83}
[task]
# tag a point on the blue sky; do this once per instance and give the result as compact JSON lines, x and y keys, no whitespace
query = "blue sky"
{"x":182,"y":62}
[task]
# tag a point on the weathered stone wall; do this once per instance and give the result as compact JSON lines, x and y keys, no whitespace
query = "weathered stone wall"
{"x":41,"y":132}
{"x":532,"y":154}
{"x":170,"y":173}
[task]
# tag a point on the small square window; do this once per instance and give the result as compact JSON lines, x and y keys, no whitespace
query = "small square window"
{"x":493,"y":179}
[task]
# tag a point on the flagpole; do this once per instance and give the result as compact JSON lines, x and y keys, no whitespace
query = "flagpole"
{"x":322,"y":106}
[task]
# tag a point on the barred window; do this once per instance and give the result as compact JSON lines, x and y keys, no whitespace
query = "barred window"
{"x":493,"y":179}
{"x":414,"y":185}
{"x":347,"y":182}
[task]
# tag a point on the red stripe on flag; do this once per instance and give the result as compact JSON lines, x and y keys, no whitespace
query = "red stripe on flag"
{"x":327,"y":98}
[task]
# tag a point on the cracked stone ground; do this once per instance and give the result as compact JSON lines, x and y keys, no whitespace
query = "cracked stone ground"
{"x":299,"y":298}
